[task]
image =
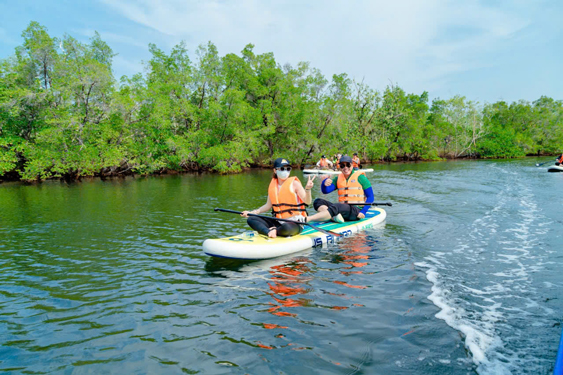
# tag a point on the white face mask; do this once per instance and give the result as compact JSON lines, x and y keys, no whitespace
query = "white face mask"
{"x":282,"y":175}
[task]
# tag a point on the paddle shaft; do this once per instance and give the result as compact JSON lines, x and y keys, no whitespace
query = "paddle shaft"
{"x":372,"y":204}
{"x":286,"y":220}
{"x":539,"y":165}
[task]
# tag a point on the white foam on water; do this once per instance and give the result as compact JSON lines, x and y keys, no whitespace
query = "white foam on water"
{"x":483,"y":285}
{"x":477,"y":340}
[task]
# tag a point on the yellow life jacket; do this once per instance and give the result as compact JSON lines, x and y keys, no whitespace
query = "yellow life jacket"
{"x":285,"y":204}
{"x":350,"y":191}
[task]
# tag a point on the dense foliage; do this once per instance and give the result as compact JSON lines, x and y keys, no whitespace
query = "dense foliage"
{"x":62,"y":114}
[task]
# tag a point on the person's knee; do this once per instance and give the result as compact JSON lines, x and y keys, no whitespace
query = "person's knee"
{"x":318,"y":203}
{"x":289,"y":229}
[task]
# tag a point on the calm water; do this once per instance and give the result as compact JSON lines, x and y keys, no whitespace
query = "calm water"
{"x":109,"y":277}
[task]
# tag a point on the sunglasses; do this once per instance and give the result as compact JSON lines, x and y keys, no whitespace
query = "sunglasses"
{"x":284,"y":169}
{"x":345,"y":165}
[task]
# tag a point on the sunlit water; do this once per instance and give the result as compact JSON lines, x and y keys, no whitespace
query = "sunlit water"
{"x":109,"y":277}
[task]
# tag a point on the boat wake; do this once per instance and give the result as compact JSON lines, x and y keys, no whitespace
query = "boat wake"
{"x":486,"y":287}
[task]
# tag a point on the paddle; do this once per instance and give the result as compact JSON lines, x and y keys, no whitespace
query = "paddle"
{"x":539,"y":165}
{"x":372,"y":204}
{"x":286,"y":220}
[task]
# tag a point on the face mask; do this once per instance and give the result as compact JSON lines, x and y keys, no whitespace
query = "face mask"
{"x":282,"y":174}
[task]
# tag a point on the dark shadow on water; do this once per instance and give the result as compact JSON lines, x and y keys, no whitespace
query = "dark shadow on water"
{"x":214,"y":266}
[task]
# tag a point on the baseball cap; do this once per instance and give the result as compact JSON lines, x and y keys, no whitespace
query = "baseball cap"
{"x":345,"y":159}
{"x":280,"y":162}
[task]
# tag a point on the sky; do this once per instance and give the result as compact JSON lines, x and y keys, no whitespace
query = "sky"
{"x":484,"y":50}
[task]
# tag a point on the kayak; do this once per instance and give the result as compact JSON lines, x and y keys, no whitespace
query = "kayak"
{"x":555,"y":168}
{"x":558,"y":370}
{"x":251,"y":245}
{"x":330,"y":171}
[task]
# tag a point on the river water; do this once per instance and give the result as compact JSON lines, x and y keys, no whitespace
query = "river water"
{"x":464,"y":277}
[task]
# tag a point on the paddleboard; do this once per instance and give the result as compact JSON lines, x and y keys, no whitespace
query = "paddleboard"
{"x":555,"y":168}
{"x":251,"y":245}
{"x":558,"y":370}
{"x":330,"y":171}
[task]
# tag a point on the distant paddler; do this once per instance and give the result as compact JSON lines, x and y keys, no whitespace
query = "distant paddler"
{"x":352,"y":186}
{"x":287,"y":199}
{"x":356,"y":162}
{"x":324,"y":163}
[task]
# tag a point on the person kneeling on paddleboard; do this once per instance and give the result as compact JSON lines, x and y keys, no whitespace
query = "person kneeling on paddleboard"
{"x":352,"y":186}
{"x":324,"y":163}
{"x":287,"y":199}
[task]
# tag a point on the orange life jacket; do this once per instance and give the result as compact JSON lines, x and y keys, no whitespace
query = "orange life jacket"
{"x":323,"y":163}
{"x":560,"y":160}
{"x":350,"y":191}
{"x":285,"y":204}
{"x":355,"y":162}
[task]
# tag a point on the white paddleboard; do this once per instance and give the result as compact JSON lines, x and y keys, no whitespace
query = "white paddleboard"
{"x":330,"y":171}
{"x":250,"y":245}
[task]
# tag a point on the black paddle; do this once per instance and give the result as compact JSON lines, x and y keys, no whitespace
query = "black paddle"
{"x":539,"y":165}
{"x":372,"y":204}
{"x":287,"y":220}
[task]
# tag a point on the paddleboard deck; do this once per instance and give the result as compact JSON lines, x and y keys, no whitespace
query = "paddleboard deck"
{"x":254,"y":246}
{"x":330,"y":171}
{"x":555,"y":168}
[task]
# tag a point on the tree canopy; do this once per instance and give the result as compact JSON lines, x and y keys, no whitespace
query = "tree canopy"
{"x":63,"y":114}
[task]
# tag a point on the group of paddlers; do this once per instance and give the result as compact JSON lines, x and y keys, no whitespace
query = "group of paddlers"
{"x":288,"y":199}
{"x":325,"y":163}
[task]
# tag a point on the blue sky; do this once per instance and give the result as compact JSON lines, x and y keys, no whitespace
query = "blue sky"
{"x":484,"y":50}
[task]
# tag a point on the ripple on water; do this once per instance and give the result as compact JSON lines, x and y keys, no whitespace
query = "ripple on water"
{"x":110,"y":278}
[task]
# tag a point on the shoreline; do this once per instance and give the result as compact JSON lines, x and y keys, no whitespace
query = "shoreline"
{"x":121,"y":174}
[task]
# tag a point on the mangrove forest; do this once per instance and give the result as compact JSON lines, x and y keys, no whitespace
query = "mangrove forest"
{"x":63,"y":114}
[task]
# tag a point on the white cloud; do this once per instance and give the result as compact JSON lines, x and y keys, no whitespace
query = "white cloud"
{"x":417,"y":44}
{"x":113,"y":38}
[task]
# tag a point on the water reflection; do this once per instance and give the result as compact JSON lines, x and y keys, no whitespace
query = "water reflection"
{"x":296,"y":284}
{"x":113,"y":271}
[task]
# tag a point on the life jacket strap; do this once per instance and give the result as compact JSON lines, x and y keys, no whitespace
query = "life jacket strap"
{"x":291,"y":211}
{"x":289,"y":205}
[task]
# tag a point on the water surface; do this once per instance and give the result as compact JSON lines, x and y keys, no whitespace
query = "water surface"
{"x":109,"y":276}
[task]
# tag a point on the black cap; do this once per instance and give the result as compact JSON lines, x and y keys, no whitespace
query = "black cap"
{"x":323,"y":157}
{"x":280,"y":162}
{"x":345,"y":159}
{"x":355,"y":154}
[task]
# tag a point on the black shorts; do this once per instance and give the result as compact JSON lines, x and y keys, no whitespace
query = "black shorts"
{"x":284,"y":229}
{"x":349,"y":213}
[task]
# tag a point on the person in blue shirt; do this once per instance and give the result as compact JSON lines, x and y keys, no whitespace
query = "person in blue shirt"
{"x":352,"y":187}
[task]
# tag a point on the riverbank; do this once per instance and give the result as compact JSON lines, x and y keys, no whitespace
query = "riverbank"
{"x":126,"y":170}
